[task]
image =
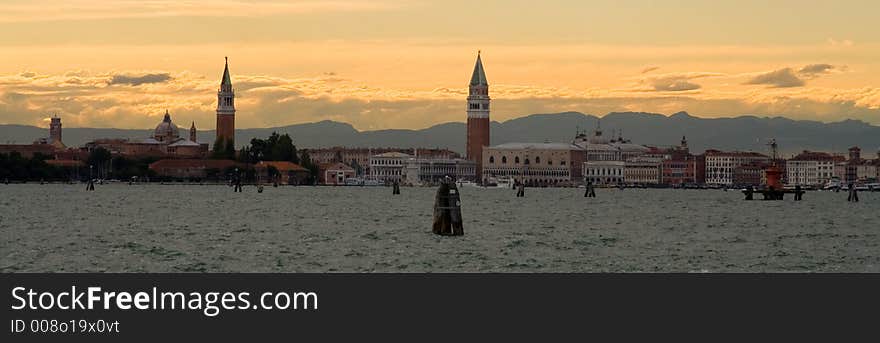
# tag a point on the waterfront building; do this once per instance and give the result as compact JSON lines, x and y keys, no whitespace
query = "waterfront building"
{"x":856,"y":169}
{"x":679,"y":171}
{"x":359,"y":158}
{"x":478,"y":116}
{"x":165,"y":142}
{"x":643,"y":170}
{"x":811,"y":168}
{"x":388,"y":167}
{"x":28,"y":150}
{"x":749,"y":174}
{"x":430,"y":171}
{"x":46,"y":146}
{"x":605,"y":157}
{"x":877,"y":166}
{"x":225,"y":129}
{"x":288,"y":173}
{"x":681,"y":168}
{"x":720,"y":166}
{"x":604,"y":172}
{"x":700,"y":166}
{"x":334,"y":173}
{"x":535,"y":164}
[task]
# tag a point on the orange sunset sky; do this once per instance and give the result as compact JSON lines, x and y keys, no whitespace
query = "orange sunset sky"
{"x":406,"y":64}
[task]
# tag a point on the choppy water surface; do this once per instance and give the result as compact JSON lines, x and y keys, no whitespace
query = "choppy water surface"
{"x":156,"y":228}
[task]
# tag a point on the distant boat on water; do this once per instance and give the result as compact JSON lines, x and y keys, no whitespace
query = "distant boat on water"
{"x":356,"y":181}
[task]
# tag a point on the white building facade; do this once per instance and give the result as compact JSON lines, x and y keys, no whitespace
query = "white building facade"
{"x":605,"y":158}
{"x":388,"y":167}
{"x":428,"y":171}
{"x":643,"y":170}
{"x":720,"y":165}
{"x":540,"y":164}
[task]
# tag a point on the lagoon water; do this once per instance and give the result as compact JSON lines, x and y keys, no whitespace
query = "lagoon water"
{"x":192,"y":228}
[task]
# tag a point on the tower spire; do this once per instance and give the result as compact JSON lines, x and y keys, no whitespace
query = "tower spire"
{"x":226,"y":82}
{"x":479,"y":76}
{"x":478,"y":116}
{"x":192,"y":132}
{"x":226,"y":108}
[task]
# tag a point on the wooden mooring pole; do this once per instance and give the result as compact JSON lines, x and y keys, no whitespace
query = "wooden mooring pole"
{"x":447,"y":210}
{"x":853,"y":194}
{"x":590,"y":191}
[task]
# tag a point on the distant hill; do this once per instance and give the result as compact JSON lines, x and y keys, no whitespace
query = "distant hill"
{"x":739,"y":133}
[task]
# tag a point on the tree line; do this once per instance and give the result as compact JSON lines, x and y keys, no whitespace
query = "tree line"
{"x":276,"y":147}
{"x":104,"y":165}
{"x":15,"y":167}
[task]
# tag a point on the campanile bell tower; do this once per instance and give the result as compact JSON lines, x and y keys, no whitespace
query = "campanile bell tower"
{"x":226,"y":109}
{"x":478,"y":117}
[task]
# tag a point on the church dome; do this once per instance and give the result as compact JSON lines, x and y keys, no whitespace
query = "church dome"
{"x":166,"y":131}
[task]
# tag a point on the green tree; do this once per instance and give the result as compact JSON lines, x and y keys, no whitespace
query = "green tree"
{"x":217,"y":151}
{"x":284,"y":150}
{"x":306,"y":162}
{"x":230,"y":150}
{"x":99,"y":159}
{"x":358,"y":170}
{"x":274,"y":148}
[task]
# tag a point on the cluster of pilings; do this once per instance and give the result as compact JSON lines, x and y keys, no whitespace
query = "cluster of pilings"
{"x":447,"y":210}
{"x":853,"y":195}
{"x":589,"y":190}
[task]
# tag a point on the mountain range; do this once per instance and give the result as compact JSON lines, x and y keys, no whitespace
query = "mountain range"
{"x":746,"y":133}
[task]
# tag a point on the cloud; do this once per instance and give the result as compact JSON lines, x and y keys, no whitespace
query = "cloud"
{"x":781,"y":78}
{"x":789,"y":77}
{"x":65,"y":10}
{"x":266,"y":100}
{"x":649,"y":69}
{"x":139,"y":80}
{"x":672,"y":82}
{"x":814,"y":69}
{"x":840,"y":43}
{"x":675,"y":86}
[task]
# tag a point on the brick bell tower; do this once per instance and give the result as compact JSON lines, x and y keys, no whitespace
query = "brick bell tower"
{"x":478,"y":117}
{"x":226,"y":108}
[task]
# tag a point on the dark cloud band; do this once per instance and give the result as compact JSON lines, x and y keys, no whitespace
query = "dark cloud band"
{"x":139,"y":80}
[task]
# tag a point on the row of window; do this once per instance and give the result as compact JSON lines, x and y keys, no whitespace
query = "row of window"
{"x":473,"y":106}
{"x":379,"y":162}
{"x":516,"y":160}
{"x":387,"y":172}
{"x":603,"y":172}
{"x":531,"y":172}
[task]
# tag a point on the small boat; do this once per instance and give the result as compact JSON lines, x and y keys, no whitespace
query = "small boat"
{"x":466,"y":183}
{"x":500,"y":182}
{"x":834,"y":183}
